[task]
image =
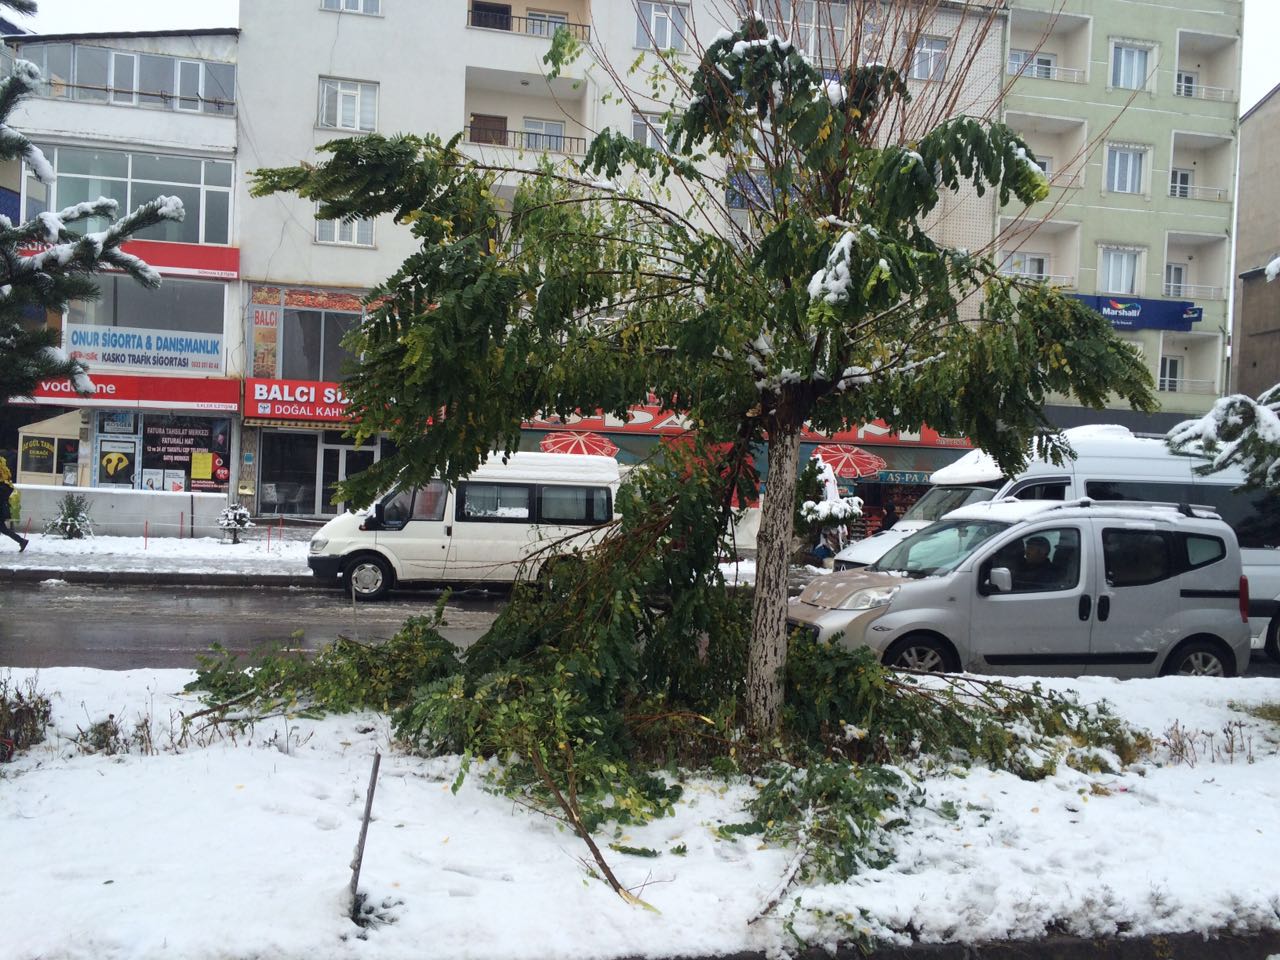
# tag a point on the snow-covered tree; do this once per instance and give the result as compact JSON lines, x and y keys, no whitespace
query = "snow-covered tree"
{"x":830,"y":300}
{"x":46,"y":262}
{"x":1238,"y":431}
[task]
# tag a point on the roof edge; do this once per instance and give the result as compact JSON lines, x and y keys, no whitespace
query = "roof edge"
{"x":126,"y":34}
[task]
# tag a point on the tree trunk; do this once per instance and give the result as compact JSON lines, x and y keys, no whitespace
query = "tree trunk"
{"x":768,"y":653}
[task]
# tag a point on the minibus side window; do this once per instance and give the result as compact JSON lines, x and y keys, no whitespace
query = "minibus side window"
{"x":573,"y":505}
{"x":1197,"y":550}
{"x":428,"y":504}
{"x":495,"y":502}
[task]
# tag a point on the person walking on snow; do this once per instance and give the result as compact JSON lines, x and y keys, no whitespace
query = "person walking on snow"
{"x":6,"y":491}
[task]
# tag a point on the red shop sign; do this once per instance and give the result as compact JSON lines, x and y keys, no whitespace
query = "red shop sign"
{"x":654,"y":420}
{"x":173,"y":259}
{"x":142,"y":393}
{"x":317,"y":400}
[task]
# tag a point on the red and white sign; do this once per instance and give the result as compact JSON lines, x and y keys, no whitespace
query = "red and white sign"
{"x":175,"y":259}
{"x":142,"y":393}
{"x":654,"y":420}
{"x":316,"y":400}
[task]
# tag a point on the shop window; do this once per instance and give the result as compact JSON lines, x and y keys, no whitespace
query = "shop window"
{"x":132,"y":179}
{"x":186,"y":453}
{"x":191,"y":306}
{"x":38,"y":455}
{"x":312,"y":344}
{"x":287,"y":474}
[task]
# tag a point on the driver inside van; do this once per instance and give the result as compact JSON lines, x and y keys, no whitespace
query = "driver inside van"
{"x":1035,"y":570}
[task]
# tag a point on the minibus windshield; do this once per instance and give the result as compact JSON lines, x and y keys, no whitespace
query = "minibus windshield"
{"x":939,"y":501}
{"x":938,"y":549}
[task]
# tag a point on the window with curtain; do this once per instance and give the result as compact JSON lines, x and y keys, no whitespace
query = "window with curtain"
{"x":1129,"y":67}
{"x":1124,"y":169}
{"x":1119,"y":271}
{"x":661,"y":26}
{"x":348,"y":104}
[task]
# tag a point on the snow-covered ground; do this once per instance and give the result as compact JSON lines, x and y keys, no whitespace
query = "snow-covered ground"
{"x":241,"y":849}
{"x":253,"y":555}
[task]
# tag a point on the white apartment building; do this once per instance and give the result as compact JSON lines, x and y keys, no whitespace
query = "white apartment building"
{"x":132,"y":116}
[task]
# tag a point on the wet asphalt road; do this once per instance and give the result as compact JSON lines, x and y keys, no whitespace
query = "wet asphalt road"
{"x":122,"y":628}
{"x":125,"y":627}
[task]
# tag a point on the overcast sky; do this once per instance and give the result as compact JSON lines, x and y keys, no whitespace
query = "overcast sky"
{"x":1261,"y":26}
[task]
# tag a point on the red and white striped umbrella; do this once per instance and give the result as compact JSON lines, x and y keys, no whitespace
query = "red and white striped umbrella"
{"x":573,"y":442}
{"x":846,"y":460}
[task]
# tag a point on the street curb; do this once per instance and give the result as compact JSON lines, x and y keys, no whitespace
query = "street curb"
{"x":157,"y":578}
{"x":1180,"y":946}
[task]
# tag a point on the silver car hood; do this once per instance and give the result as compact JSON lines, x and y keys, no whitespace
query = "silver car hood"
{"x":830,"y":591}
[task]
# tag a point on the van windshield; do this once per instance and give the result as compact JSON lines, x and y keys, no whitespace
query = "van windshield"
{"x":939,"y":501}
{"x":938,"y":549}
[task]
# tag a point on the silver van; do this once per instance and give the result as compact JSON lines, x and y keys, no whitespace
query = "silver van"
{"x":1054,"y":589}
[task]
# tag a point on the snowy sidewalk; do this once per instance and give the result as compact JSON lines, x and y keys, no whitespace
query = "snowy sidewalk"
{"x":273,"y":561}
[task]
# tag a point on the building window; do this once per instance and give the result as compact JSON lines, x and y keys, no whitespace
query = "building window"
{"x":1175,"y":279}
{"x":131,"y":179}
{"x":371,"y":7}
{"x":930,"y":61}
{"x":189,"y":306}
{"x":543,"y":134}
{"x":1029,"y":63}
{"x":1033,"y":265}
{"x":1180,"y":182}
{"x":1170,"y":374}
{"x":311,"y":347}
{"x":348,"y":105}
{"x":350,"y":233}
{"x":1129,"y":67}
{"x":816,"y":27}
{"x":99,"y":75}
{"x":542,"y":23}
{"x":1119,"y":271}
{"x":1187,"y":83}
{"x":646,"y":129}
{"x":1124,"y":169}
{"x":661,"y":26}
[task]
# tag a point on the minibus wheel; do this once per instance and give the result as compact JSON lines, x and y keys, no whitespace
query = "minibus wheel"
{"x":369,"y":577}
{"x":920,"y":651}
{"x":1273,"y":639}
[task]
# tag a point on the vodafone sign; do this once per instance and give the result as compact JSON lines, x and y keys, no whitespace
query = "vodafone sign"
{"x":142,"y":393}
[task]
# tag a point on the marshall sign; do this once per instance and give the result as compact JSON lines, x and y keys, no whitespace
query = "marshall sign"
{"x":1135,"y":313}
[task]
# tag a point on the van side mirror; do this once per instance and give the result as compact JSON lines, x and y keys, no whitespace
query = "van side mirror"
{"x":1000,"y":580}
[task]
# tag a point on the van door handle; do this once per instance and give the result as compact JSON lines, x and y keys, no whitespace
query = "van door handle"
{"x":1086,"y":606}
{"x":1104,"y":608}
{"x":448,"y":529}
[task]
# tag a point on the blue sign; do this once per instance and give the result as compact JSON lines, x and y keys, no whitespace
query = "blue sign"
{"x":1135,"y":313}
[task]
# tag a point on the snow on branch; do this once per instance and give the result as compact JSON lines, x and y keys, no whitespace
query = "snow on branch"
{"x":24,"y":80}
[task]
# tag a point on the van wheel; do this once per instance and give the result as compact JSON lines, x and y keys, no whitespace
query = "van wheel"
{"x":1273,"y":639}
{"x":919,"y":651}
{"x":1199,"y":658}
{"x":369,"y":577}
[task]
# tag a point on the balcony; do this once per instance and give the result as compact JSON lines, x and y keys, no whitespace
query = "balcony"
{"x":1199,"y":91}
{"x":1193,"y":291}
{"x":1052,"y":279}
{"x":1207,"y":66}
{"x":1060,"y":146}
{"x":525,"y":140}
{"x":1186,"y":191}
{"x":1046,"y":71}
{"x":1207,"y":388}
{"x":492,"y":16}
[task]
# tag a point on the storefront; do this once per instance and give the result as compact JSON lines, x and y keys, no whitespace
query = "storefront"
{"x":294,"y":453}
{"x":138,"y":432}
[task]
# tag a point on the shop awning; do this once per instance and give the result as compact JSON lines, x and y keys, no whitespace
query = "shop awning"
{"x":293,"y":424}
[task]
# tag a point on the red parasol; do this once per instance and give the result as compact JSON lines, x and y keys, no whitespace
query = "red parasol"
{"x":570,"y":442}
{"x":846,"y":460}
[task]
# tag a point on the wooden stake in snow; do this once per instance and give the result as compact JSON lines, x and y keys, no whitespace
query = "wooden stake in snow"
{"x":364,"y":831}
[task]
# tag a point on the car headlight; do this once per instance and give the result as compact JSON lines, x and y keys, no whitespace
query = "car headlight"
{"x":869,"y":598}
{"x":318,"y":544}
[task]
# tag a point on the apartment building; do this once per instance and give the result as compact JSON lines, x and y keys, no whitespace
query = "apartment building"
{"x":132,"y":116}
{"x":1255,"y":357}
{"x":475,"y":68}
{"x":1131,"y":108}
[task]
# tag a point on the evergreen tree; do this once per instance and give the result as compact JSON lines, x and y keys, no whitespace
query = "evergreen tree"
{"x":831,"y":302}
{"x":45,"y":262}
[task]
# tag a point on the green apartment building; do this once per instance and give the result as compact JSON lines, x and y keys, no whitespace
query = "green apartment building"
{"x":1132,"y":107}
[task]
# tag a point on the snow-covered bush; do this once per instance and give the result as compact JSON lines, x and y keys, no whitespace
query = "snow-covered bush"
{"x":234,"y":519}
{"x":828,"y":513}
{"x":72,"y":521}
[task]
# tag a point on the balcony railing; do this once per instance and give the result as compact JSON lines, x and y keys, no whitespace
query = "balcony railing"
{"x":1193,"y":291}
{"x":529,"y":26}
{"x":1053,"y":279}
{"x":1042,"y":71}
{"x":1184,"y":191}
{"x":1183,"y":385}
{"x":524,"y":140}
{"x":1199,"y":91}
